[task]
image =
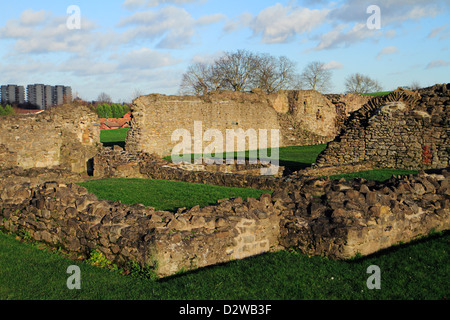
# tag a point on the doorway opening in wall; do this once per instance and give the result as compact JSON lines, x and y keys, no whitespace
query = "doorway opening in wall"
{"x":90,"y":167}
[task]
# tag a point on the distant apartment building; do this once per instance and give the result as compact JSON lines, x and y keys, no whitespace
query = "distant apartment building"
{"x":45,"y":96}
{"x":61,"y":94}
{"x":36,"y":95}
{"x":12,"y":94}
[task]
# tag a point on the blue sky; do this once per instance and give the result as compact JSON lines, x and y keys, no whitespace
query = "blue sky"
{"x":146,"y":45}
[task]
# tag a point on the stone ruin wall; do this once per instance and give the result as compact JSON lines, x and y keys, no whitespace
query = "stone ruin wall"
{"x":69,"y":135}
{"x":303,"y":117}
{"x":307,"y":117}
{"x":156,"y":117}
{"x":63,"y":136}
{"x":338,"y":219}
{"x":405,"y":129}
{"x":115,"y":162}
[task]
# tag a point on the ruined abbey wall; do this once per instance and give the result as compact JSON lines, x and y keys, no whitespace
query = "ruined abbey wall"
{"x":302,"y":117}
{"x":407,"y":130}
{"x":63,"y":136}
{"x":318,"y":216}
{"x":156,"y":117}
{"x":307,"y":117}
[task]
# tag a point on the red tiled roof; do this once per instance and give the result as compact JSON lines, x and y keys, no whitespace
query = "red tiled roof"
{"x":116,"y":123}
{"x":26,"y":111}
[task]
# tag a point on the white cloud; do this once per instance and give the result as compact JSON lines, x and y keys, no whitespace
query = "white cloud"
{"x":242,"y":21}
{"x":392,"y":11}
{"x":17,"y":72}
{"x":174,"y":27}
{"x":387,"y":50}
{"x":279,"y":24}
{"x":211,"y":19}
{"x":40,"y":32}
{"x":87,"y":66}
{"x":438,"y":64}
{"x":146,"y":58}
{"x":350,"y":20}
{"x":333,"y":65}
{"x":341,"y":35}
{"x":134,"y":4}
{"x":441,"y":31}
{"x":390,"y":33}
{"x":32,"y":18}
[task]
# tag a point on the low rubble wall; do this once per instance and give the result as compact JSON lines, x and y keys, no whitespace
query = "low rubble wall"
{"x":338,"y":219}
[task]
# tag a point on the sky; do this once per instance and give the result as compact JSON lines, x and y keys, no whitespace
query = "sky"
{"x":121,"y":47}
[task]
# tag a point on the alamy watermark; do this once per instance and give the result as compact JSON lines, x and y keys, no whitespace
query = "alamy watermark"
{"x":374,"y":21}
{"x":74,"y":281}
{"x":74,"y":20}
{"x":235,"y":142}
{"x":374,"y":281}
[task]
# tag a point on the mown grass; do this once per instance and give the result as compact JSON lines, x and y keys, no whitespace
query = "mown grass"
{"x":418,"y":271}
{"x":377,"y":94}
{"x":171,"y":195}
{"x":165,"y":195}
{"x":294,"y":158}
{"x":113,"y":137}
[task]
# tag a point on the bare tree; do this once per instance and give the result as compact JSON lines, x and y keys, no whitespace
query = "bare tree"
{"x":136,"y":94}
{"x":274,"y":74}
{"x":415,"y":85}
{"x":240,"y":71}
{"x":358,"y":83}
{"x":200,"y":78}
{"x":316,"y":77}
{"x":105,"y":98}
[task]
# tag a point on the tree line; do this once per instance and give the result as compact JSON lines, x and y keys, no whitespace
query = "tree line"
{"x":243,"y":71}
{"x":6,"y":110}
{"x":112,"y":111}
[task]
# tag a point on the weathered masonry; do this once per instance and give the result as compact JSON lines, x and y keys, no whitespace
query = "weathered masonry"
{"x":42,"y":156}
{"x":65,"y":136}
{"x":302,"y":117}
{"x":405,"y":129}
{"x":338,"y":219}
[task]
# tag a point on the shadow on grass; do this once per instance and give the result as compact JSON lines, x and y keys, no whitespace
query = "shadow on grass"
{"x":181,"y":274}
{"x":294,"y":165}
{"x":356,"y":260}
{"x":116,"y":143}
{"x":400,"y":246}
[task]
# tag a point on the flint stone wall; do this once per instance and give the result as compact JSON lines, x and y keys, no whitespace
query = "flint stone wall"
{"x":405,"y":129}
{"x":338,"y":219}
{"x":63,"y":136}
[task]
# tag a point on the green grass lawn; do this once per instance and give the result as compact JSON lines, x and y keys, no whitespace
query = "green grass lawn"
{"x":165,"y":195}
{"x":417,"y":271}
{"x":377,"y":94}
{"x":113,"y":137}
{"x":295,"y":158}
